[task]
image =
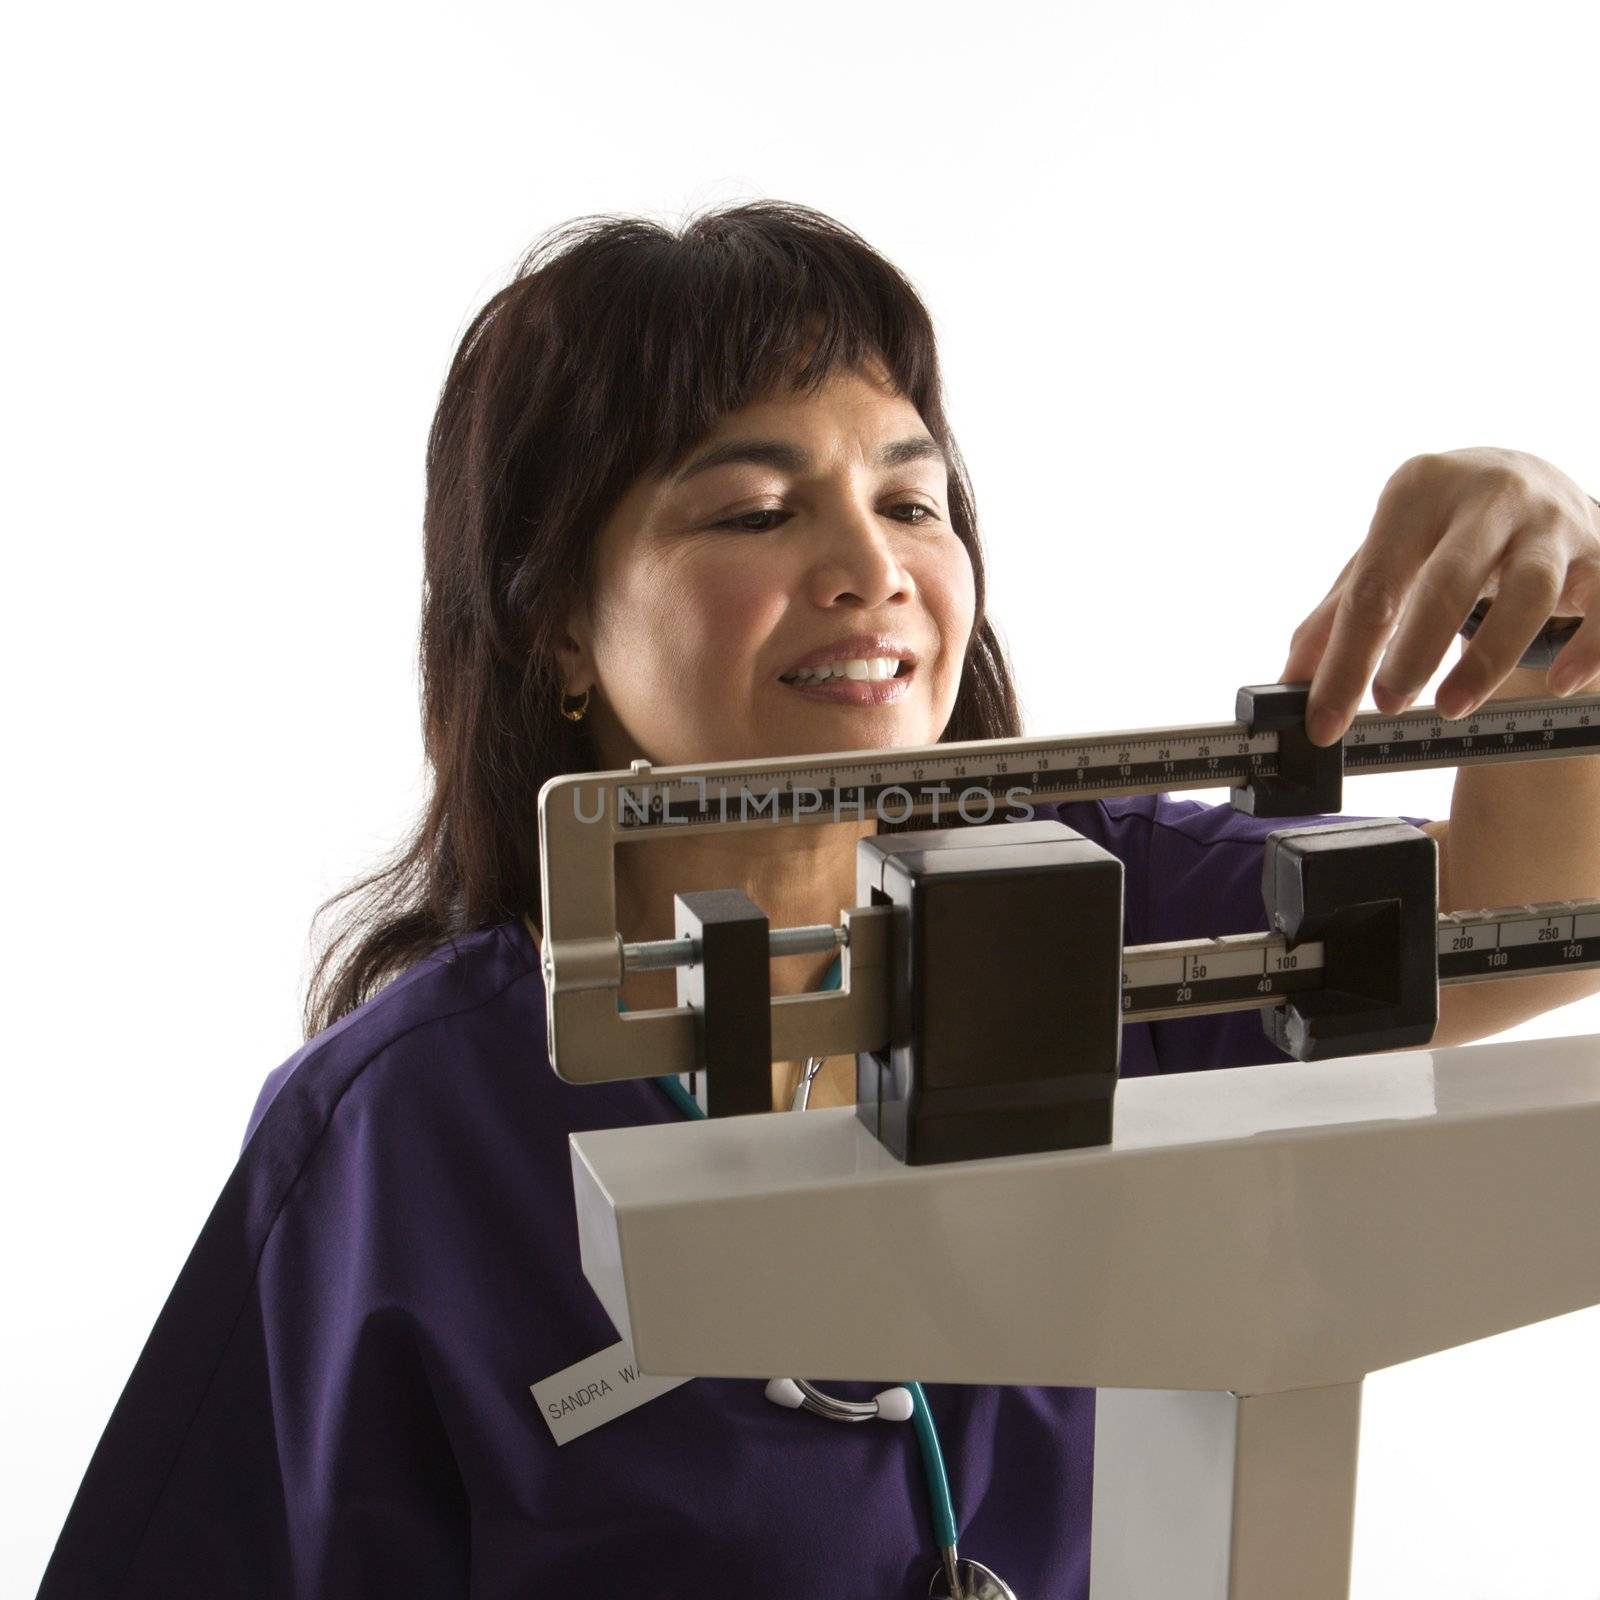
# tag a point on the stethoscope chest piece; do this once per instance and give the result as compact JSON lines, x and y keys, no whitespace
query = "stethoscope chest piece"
{"x":977,"y":1583}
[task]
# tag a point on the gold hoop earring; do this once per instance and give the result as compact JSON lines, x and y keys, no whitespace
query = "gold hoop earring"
{"x":578,"y":715}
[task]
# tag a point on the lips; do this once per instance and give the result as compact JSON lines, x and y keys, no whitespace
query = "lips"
{"x":858,"y":647}
{"x":853,"y":691}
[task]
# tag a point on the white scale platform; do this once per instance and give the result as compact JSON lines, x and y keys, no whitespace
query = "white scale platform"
{"x":1252,"y":1243}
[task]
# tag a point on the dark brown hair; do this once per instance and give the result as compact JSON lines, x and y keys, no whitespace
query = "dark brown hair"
{"x":616,"y":347}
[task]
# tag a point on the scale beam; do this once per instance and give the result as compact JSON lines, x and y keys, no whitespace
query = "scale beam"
{"x":1195,"y":977}
{"x":1244,"y":971}
{"x":584,"y":817}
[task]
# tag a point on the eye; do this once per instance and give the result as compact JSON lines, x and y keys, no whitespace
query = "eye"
{"x":750,"y":521}
{"x":759,"y":521}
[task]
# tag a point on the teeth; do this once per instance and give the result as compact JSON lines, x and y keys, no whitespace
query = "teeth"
{"x":878,"y":667}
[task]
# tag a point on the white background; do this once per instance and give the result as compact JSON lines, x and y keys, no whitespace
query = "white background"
{"x":1204,"y":276}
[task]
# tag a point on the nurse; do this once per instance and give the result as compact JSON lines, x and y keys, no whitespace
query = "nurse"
{"x":671,"y":479}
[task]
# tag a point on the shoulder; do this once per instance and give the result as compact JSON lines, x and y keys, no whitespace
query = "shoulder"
{"x":397,"y":1230}
{"x":413,"y":1099}
{"x":449,"y":986}
{"x":472,"y":1008}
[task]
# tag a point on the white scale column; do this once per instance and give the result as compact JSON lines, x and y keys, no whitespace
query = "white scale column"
{"x":1252,"y":1242}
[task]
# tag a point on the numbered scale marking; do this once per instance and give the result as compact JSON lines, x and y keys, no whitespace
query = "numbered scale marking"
{"x":1239,"y":971}
{"x":1512,"y":730}
{"x":1000,"y":778}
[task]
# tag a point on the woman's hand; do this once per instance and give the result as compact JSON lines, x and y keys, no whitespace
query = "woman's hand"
{"x":1449,"y":530}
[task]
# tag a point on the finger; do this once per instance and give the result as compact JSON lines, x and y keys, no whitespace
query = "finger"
{"x":1310,"y":639}
{"x":1405,"y":528}
{"x":1577,"y":665}
{"x":1308,"y":642}
{"x":1529,"y":588}
{"x":1446,"y":590}
{"x":1369,"y":606}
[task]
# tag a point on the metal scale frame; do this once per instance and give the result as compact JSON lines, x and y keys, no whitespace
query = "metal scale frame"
{"x":1263,"y":757}
{"x":1227,"y":1260}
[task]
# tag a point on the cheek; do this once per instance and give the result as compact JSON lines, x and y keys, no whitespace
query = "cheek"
{"x":950,"y":594}
{"x":689,"y":622}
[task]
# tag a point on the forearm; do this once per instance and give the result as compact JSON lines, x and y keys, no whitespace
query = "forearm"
{"x":1520,"y":831}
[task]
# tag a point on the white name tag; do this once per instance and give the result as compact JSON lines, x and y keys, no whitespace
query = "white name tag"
{"x":597,"y":1389}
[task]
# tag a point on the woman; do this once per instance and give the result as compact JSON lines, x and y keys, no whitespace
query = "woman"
{"x":666,"y":473}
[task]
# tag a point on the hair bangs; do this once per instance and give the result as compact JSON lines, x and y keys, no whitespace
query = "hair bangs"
{"x":730,"y":311}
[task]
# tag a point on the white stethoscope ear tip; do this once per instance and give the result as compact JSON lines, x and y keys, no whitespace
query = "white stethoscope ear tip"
{"x":894,"y":1405}
{"x":889,"y":1405}
{"x":785,"y":1392}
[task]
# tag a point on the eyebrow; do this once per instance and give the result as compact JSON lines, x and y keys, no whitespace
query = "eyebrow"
{"x":791,"y":458}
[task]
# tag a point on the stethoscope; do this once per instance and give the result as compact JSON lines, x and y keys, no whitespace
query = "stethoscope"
{"x":956,"y":1577}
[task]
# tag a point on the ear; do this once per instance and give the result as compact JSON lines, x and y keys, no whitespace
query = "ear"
{"x":574,"y":651}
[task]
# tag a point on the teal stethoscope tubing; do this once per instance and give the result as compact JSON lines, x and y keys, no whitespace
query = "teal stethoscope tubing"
{"x":939,"y":1501}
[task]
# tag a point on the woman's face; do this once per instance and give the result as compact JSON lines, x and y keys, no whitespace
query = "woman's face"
{"x":802,"y":528}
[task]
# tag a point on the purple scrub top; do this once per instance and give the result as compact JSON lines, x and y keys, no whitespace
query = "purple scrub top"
{"x":334,"y":1401}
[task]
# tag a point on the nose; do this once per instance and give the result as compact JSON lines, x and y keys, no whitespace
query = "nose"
{"x":859,"y":560}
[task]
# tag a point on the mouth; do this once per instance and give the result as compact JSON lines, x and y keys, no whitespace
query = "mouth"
{"x":872,"y":681}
